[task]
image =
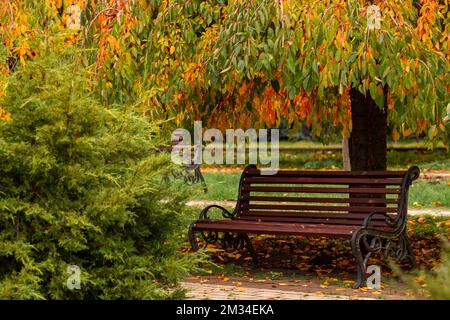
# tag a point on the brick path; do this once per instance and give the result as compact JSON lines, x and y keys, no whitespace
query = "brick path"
{"x":202,"y":291}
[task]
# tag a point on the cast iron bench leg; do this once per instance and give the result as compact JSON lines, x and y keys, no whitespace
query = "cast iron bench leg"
{"x":192,"y":238}
{"x":194,"y":243}
{"x":410,"y":254}
{"x":251,"y":250}
{"x":356,"y":250}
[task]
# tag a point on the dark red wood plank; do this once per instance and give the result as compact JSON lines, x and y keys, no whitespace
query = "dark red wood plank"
{"x":278,"y":207}
{"x":321,"y":200}
{"x":330,"y":180}
{"x":322,"y":190}
{"x":328,"y":221}
{"x":316,"y":215}
{"x":343,"y":174}
{"x":283,"y":228}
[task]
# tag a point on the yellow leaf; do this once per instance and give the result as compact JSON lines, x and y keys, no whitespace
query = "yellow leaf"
{"x":395,"y":134}
{"x":363,"y":288}
{"x":113,"y":42}
{"x":172,"y":49}
{"x":417,"y":204}
{"x":376,"y":292}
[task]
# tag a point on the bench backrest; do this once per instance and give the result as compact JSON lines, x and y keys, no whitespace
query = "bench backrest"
{"x":337,"y":197}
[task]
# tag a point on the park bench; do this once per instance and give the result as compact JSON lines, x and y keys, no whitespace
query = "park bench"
{"x":369,"y":208}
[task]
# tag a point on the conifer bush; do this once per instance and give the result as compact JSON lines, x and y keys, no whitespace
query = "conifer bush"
{"x":80,"y":185}
{"x":431,"y":284}
{"x":437,"y":283}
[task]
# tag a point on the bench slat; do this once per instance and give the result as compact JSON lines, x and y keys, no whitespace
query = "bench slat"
{"x":342,"y":174}
{"x":321,"y":190}
{"x":274,"y":228}
{"x":328,"y":221}
{"x":366,"y":209}
{"x":321,"y":200}
{"x":266,"y":223}
{"x":301,"y":214}
{"x":312,"y":180}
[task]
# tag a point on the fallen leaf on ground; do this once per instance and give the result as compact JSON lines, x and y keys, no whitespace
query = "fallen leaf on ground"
{"x":376,"y":292}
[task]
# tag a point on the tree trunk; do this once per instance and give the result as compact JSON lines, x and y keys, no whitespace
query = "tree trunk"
{"x":368,"y":150}
{"x":345,"y":154}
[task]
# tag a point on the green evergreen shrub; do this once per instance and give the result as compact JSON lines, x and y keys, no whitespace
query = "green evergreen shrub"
{"x":80,"y":185}
{"x":433,"y":284}
{"x":430,"y":284}
{"x":437,"y":284}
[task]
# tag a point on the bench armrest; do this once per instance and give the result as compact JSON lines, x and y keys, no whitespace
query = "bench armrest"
{"x":225,"y":213}
{"x":391,"y":222}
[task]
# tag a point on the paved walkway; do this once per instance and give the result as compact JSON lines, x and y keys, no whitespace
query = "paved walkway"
{"x":435,"y":175}
{"x":227,"y":203}
{"x":202,"y":291}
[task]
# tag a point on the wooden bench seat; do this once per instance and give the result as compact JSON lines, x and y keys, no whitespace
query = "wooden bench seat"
{"x":258,"y":227}
{"x":369,"y":208}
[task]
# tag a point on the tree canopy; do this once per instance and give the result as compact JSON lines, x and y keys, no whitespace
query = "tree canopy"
{"x":255,"y":62}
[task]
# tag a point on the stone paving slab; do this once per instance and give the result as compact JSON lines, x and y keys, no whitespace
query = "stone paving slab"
{"x":202,"y":291}
{"x":435,"y":175}
{"x":228,"y":203}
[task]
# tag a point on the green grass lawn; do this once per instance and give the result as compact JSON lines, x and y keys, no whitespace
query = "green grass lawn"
{"x":430,"y":194}
{"x":423,"y":194}
{"x":436,"y":160}
{"x":317,"y":144}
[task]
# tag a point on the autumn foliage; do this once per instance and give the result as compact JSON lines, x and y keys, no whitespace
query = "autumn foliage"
{"x":237,"y":62}
{"x":256,"y":62}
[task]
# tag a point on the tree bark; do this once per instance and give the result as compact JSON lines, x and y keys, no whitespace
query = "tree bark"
{"x":345,"y":155}
{"x":367,"y":143}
